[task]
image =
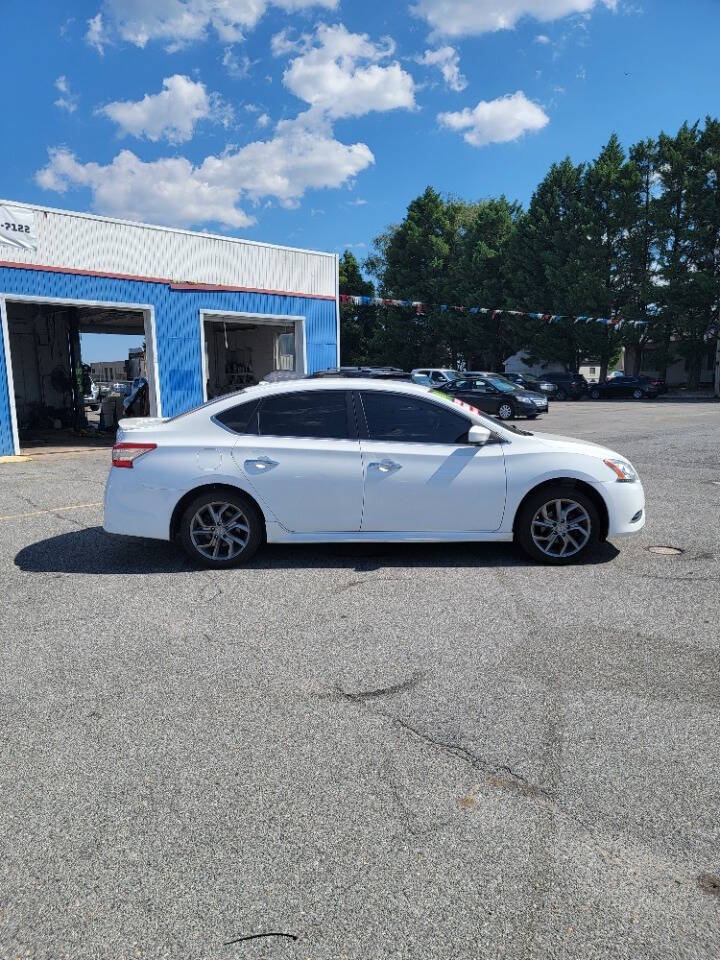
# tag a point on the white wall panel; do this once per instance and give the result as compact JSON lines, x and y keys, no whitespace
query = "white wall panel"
{"x":82,"y":241}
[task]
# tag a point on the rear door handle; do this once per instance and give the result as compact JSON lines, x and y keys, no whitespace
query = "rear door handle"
{"x":385,"y":466}
{"x":260,"y":464}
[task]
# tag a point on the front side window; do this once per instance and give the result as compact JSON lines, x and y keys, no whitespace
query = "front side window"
{"x":406,"y":419}
{"x":316,"y":414}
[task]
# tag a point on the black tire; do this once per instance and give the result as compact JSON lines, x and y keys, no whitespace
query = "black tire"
{"x":561,"y":394}
{"x":594,"y":394}
{"x":637,"y":394}
{"x":205,"y":504}
{"x":547,"y":496}
{"x":532,"y":416}
{"x":506,"y":410}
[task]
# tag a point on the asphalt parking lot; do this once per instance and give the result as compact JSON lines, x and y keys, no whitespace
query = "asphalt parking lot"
{"x":412,"y":752}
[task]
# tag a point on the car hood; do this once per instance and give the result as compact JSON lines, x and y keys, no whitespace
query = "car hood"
{"x":573,"y":445}
{"x":533,"y":394}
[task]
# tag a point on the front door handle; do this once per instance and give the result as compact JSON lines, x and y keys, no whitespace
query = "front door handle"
{"x":260,"y":464}
{"x":385,"y":466}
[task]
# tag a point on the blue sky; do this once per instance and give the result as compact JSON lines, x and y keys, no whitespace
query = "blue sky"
{"x":315,"y":123}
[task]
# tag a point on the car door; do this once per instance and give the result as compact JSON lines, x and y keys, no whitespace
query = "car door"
{"x":303,"y":460}
{"x":421,"y":475}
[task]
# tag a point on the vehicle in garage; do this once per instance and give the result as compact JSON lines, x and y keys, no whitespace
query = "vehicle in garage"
{"x":529,"y":382}
{"x":622,"y":387}
{"x":343,"y":460}
{"x":570,"y":386}
{"x":494,"y":394}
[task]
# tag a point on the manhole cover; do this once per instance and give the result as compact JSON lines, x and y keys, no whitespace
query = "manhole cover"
{"x":666,"y":551}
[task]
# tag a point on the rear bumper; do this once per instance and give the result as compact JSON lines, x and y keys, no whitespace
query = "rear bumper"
{"x":137,"y":509}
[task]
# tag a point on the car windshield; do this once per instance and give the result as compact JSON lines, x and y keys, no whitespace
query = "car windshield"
{"x":500,"y":383}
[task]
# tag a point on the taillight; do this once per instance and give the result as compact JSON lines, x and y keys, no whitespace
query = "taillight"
{"x":124,"y":454}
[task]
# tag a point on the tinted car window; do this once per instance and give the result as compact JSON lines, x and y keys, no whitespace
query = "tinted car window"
{"x":318,"y":414}
{"x":475,"y":384}
{"x":240,"y":419}
{"x":393,"y":416}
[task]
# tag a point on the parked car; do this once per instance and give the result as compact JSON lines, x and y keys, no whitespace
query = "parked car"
{"x":496,"y":395}
{"x":137,"y":402}
{"x":361,"y":461}
{"x":639,"y":388}
{"x":533,"y":383}
{"x":571,"y":386}
{"x":434,"y":376}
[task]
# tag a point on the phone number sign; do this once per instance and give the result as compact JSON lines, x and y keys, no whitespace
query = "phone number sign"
{"x":17,"y":227}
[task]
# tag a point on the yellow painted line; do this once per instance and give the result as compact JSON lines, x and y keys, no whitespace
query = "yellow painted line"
{"x":14,"y":459}
{"x":39,"y":513}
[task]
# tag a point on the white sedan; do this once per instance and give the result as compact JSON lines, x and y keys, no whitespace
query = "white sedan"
{"x":337,"y":460}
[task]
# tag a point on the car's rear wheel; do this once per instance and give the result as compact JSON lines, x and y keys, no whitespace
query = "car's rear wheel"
{"x":637,"y":394}
{"x":505,"y":411}
{"x":558,"y":525}
{"x":595,"y":394}
{"x":221,"y":529}
{"x":561,"y":394}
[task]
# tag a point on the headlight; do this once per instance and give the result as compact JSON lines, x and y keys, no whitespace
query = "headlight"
{"x":624,"y":471}
{"x":524,"y":399}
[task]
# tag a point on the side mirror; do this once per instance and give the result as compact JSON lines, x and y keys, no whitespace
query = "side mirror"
{"x":478,"y":436}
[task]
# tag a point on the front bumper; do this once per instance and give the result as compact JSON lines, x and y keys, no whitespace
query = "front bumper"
{"x":625,"y":505}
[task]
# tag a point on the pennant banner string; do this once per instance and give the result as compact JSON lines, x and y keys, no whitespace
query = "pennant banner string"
{"x":420,"y":307}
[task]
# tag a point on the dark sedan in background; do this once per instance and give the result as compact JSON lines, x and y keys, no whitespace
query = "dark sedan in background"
{"x":570,"y":386}
{"x":638,"y":388}
{"x":494,"y":394}
{"x":536,"y":384}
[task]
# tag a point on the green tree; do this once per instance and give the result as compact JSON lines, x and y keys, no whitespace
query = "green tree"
{"x":638,"y":254}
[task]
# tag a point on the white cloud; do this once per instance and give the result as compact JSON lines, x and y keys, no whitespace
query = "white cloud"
{"x":171,"y":114}
{"x":263,"y":120}
{"x":497,"y":121}
{"x":67,"y":99}
{"x":357,"y":203}
{"x":542,"y":39}
{"x":180,"y":22}
{"x":447,"y":61}
{"x":282,"y":43}
{"x":302,"y":155}
{"x":457,"y":18}
{"x":238,"y":67}
{"x":96,"y":36}
{"x":340,"y":75}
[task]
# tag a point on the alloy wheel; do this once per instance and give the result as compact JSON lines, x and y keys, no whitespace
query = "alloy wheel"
{"x":219,"y":530}
{"x":505,"y":411}
{"x":561,"y":528}
{"x":637,"y":394}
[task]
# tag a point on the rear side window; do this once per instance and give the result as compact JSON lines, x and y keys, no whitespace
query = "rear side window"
{"x":394,"y":416}
{"x":316,"y":414}
{"x":240,"y":419}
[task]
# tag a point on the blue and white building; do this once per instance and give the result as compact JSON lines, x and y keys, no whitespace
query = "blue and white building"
{"x":216,"y":312}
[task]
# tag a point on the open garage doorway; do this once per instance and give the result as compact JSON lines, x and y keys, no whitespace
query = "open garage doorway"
{"x":62,"y":398}
{"x":239,"y":350}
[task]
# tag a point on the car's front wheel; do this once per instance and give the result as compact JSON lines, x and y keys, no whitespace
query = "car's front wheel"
{"x":594,"y":394}
{"x":637,"y":394}
{"x":558,"y":525}
{"x":221,"y":529}
{"x":505,"y":411}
